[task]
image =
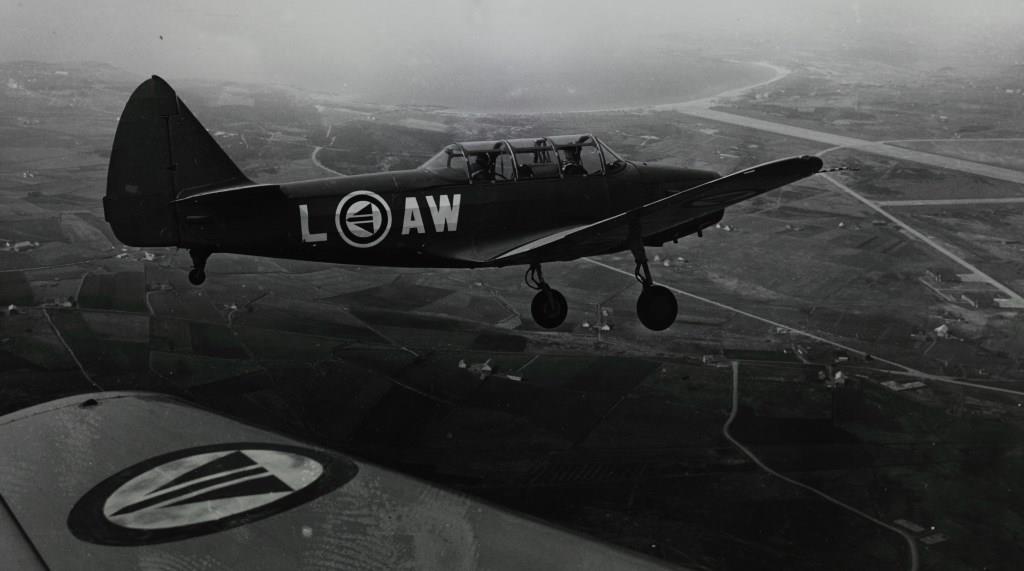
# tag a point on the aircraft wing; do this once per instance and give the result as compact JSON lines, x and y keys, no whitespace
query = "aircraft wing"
{"x":653,"y":218}
{"x":143,"y":481}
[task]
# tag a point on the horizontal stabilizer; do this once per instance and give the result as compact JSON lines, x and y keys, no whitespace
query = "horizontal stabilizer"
{"x":232,"y":192}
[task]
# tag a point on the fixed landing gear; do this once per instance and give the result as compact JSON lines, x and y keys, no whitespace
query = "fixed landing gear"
{"x":549,"y":307}
{"x":197,"y":275}
{"x":656,"y":307}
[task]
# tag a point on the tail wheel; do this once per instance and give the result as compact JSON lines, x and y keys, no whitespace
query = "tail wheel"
{"x":657,"y":308}
{"x":198,"y":273}
{"x":196,"y":276}
{"x":549,"y":308}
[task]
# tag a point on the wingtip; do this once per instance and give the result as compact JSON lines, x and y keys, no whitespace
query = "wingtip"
{"x":815,"y":162}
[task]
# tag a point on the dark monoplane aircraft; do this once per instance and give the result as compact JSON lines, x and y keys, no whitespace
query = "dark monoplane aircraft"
{"x":473,"y":205}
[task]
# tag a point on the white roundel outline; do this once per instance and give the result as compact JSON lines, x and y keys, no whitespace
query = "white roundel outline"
{"x":343,"y":205}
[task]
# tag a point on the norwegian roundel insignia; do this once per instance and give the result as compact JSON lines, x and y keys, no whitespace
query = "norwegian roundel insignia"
{"x":197,"y":491}
{"x":363,"y":219}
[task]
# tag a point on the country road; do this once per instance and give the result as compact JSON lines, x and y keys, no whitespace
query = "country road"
{"x":913,"y":558}
{"x":316,"y":151}
{"x":316,"y":161}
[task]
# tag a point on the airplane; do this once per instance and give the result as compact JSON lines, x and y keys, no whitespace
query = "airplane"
{"x":479,"y":204}
{"x":137,"y":480}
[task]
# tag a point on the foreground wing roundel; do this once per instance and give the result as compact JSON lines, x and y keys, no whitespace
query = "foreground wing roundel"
{"x":197,"y":491}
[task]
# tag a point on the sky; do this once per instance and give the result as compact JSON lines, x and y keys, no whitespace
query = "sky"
{"x":323,"y":44}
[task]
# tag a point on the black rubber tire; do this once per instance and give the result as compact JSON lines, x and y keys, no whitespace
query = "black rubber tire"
{"x":549,"y":308}
{"x":196,"y":276}
{"x":657,"y":308}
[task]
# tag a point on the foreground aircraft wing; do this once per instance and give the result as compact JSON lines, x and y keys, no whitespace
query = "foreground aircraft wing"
{"x":654,"y":218}
{"x":142,"y":481}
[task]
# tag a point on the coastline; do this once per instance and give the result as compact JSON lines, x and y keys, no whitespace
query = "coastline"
{"x":780,"y":73}
{"x":703,"y":101}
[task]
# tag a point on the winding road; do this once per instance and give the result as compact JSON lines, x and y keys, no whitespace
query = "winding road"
{"x":316,"y":151}
{"x":914,"y":562}
{"x":316,"y":161}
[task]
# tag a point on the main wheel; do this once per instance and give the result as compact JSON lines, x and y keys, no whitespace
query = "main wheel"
{"x":196,"y":276}
{"x":657,"y":308}
{"x":549,"y":308}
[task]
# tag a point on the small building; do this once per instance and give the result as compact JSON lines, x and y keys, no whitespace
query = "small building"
{"x":1006,"y":303}
{"x":942,"y":275}
{"x":977,"y":300}
{"x":900,"y":387}
{"x":907,"y":524}
{"x":24,"y":245}
{"x":934,"y":538}
{"x":713,"y":360}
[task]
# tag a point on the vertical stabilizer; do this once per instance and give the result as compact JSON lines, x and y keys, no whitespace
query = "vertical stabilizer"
{"x":161,"y":152}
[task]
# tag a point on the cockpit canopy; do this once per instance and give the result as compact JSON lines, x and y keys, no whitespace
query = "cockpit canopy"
{"x":525,"y":159}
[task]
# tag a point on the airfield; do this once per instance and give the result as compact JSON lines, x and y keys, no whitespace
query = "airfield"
{"x":724,"y":442}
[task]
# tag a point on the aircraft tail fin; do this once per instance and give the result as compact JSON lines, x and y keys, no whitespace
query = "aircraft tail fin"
{"x":161,"y":153}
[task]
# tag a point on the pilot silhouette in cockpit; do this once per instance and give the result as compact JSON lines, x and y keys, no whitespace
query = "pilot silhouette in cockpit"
{"x":482,"y":168}
{"x":571,"y":162}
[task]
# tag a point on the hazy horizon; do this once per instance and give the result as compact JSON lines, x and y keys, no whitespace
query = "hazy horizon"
{"x":346,"y":46}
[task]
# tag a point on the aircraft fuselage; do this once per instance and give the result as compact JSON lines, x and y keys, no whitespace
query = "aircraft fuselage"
{"x":416,"y":218}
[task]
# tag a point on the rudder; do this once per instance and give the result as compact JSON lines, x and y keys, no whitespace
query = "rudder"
{"x":161,"y":153}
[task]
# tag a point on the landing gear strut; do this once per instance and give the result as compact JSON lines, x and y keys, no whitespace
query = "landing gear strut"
{"x":549,"y":307}
{"x":197,"y":275}
{"x":656,"y":307}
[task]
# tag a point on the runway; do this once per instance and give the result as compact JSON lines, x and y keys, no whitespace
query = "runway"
{"x":842,"y":141}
